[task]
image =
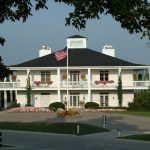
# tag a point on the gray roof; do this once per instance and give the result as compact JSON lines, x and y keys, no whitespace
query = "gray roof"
{"x":76,"y":36}
{"x":77,"y":57}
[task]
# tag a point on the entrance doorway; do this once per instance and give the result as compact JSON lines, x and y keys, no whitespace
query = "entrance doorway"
{"x":104,"y":100}
{"x":74,"y":99}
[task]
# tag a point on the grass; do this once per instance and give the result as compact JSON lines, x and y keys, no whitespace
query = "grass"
{"x":62,"y":128}
{"x":142,"y":137}
{"x":137,"y":113}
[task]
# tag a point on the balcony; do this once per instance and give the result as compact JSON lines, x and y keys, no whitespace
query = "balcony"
{"x":76,"y":85}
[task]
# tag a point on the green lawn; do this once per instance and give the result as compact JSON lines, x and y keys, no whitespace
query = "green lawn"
{"x":137,"y":113}
{"x":64,"y":128}
{"x":142,"y":137}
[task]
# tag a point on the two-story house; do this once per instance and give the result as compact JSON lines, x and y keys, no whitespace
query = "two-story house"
{"x":91,"y":76}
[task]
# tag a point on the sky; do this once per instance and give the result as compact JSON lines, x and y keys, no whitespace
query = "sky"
{"x":47,"y":27}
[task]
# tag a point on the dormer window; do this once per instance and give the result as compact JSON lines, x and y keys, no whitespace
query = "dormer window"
{"x":76,"y":41}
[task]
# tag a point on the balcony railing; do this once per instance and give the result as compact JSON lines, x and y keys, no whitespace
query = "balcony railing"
{"x":74,"y":84}
{"x":79,"y":84}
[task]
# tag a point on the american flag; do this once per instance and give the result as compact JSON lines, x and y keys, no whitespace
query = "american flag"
{"x":61,"y":54}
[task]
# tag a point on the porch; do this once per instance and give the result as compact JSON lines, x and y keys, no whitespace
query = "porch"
{"x":76,"y":84}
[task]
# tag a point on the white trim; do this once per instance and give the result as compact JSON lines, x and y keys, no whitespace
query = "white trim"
{"x":5,"y":99}
{"x":80,"y":67}
{"x":89,"y":84}
{"x":58,"y":88}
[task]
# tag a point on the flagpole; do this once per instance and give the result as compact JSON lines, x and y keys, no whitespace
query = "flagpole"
{"x":67,"y":81}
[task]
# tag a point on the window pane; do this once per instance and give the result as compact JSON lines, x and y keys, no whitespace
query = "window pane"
{"x":45,"y":76}
{"x":101,"y":101}
{"x":106,"y":101}
{"x":101,"y":78}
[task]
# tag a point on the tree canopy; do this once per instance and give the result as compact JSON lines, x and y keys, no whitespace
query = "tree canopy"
{"x":133,"y":15}
{"x":4,"y":72}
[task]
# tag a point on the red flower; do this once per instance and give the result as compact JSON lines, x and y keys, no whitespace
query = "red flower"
{"x":37,"y":82}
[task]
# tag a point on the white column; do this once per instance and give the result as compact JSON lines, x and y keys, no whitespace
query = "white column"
{"x":5,"y":99}
{"x":89,"y":85}
{"x":119,"y":71}
{"x":10,"y":78}
{"x":28,"y":71}
{"x":58,"y":85}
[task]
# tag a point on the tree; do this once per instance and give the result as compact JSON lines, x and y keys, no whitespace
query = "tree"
{"x":28,"y":91}
{"x":4,"y":71}
{"x":141,"y":101}
{"x":133,"y":15}
{"x":119,"y":90}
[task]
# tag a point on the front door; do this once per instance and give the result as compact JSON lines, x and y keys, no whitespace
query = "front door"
{"x":44,"y":99}
{"x":104,"y":100}
{"x":74,"y":99}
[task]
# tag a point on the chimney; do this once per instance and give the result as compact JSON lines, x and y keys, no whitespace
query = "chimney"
{"x":44,"y":51}
{"x":108,"y":50}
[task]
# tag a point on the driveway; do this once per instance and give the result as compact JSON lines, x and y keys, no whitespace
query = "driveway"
{"x":46,"y":141}
{"x":114,"y":121}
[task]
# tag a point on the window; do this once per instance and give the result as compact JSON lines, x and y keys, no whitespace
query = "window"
{"x":74,"y":75}
{"x":104,"y":100}
{"x":45,"y":93}
{"x":45,"y":76}
{"x":78,"y":43}
{"x":103,"y":75}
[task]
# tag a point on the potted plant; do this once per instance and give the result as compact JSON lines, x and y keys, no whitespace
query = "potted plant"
{"x":49,"y":82}
{"x":14,"y":77}
{"x":64,"y":77}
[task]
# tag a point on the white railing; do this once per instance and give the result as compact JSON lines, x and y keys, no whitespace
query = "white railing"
{"x":12,"y":84}
{"x":136,"y":84}
{"x":78,"y":84}
{"x":74,"y":84}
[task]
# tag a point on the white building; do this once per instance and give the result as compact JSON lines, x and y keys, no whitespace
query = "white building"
{"x":92,"y":76}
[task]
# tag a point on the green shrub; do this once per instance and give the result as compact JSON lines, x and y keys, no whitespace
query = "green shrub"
{"x":14,"y":105}
{"x":92,"y":105}
{"x":54,"y":106}
{"x":141,"y":101}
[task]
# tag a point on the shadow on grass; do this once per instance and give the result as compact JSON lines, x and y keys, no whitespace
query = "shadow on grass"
{"x":60,"y":127}
{"x":112,"y":122}
{"x":141,"y":137}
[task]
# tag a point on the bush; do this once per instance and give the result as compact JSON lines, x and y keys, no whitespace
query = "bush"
{"x":14,"y":105}
{"x":73,"y":112}
{"x":54,"y":106}
{"x":92,"y":105}
{"x":64,"y":113}
{"x":141,"y":101}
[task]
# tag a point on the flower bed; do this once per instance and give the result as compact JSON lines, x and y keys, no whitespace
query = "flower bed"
{"x":106,"y":110}
{"x":67,"y":113}
{"x":29,"y":109}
